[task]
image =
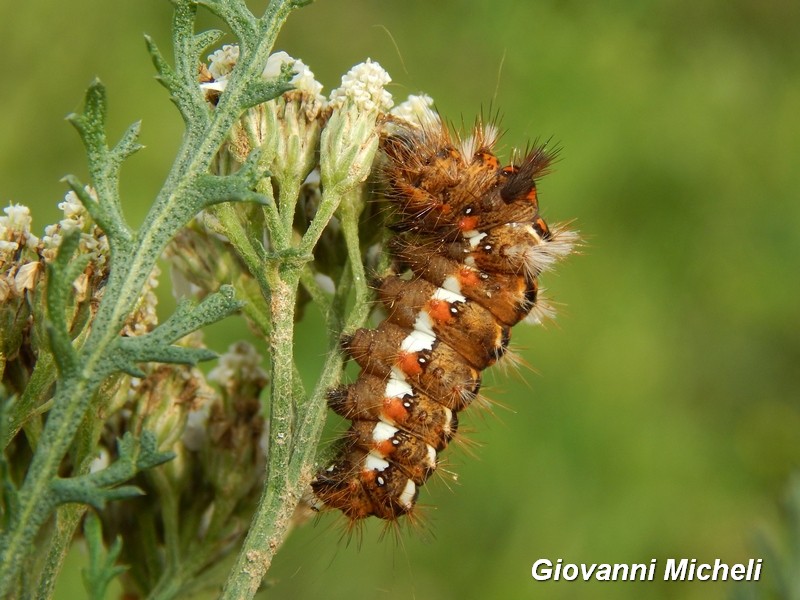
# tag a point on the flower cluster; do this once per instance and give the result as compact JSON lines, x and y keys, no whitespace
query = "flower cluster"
{"x":303,"y":129}
{"x":417,"y":110}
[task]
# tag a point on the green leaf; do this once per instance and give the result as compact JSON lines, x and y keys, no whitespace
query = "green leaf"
{"x":96,"y":489}
{"x":214,"y":189}
{"x":80,"y":491}
{"x":205,"y":39}
{"x":104,"y":166}
{"x":186,"y":96}
{"x":165,"y":74}
{"x":156,"y":346}
{"x":60,"y":275}
{"x":128,"y":143}
{"x":102,"y":568}
{"x":259,"y":92}
{"x":91,"y":123}
{"x":238,"y":17}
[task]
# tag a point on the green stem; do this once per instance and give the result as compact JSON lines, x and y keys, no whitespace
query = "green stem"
{"x":34,"y":500}
{"x":279,"y":499}
{"x":289,"y":191}
{"x":251,"y":254}
{"x":271,"y":215}
{"x":67,"y":520}
{"x":320,"y":298}
{"x":36,"y":393}
{"x":351,"y":208}
{"x":294,"y":440}
{"x":331,"y":198}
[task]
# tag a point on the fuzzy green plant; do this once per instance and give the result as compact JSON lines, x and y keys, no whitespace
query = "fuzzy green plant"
{"x":102,"y":408}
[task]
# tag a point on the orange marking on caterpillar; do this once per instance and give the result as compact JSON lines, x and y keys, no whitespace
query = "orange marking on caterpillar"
{"x":439,"y":310}
{"x":409,"y":363}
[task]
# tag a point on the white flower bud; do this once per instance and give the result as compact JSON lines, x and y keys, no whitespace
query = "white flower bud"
{"x":363,"y":85}
{"x":418,"y":111}
{"x":350,"y":138}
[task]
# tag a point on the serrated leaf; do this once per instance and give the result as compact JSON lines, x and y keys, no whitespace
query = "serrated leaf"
{"x":238,"y":17}
{"x":130,"y":353}
{"x":91,"y":123}
{"x":214,"y":189}
{"x":104,"y":166}
{"x":156,"y":346}
{"x":102,"y":568}
{"x":187,"y":318}
{"x":205,"y":39}
{"x":128,"y":143}
{"x":261,"y":91}
{"x":103,"y":486}
{"x":166,"y":76}
{"x":76,"y":490}
{"x":60,"y":275}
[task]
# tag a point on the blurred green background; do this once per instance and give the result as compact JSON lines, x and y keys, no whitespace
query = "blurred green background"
{"x":660,"y":418}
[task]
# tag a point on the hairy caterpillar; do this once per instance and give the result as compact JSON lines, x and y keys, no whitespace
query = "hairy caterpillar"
{"x":469,"y":247}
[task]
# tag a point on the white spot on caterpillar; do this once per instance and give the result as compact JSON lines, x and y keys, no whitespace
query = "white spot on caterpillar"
{"x":397,"y":388}
{"x":407,"y":496}
{"x":423,"y":323}
{"x":431,"y":457}
{"x":449,"y":420}
{"x":475,"y":240}
{"x":382,"y":432}
{"x":531,"y":231}
{"x":416,"y":341}
{"x":373,"y":462}
{"x":398,"y":374}
{"x":447,"y":296}
{"x":452,"y":284}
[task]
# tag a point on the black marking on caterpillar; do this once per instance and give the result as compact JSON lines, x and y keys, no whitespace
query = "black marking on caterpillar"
{"x":469,"y":247}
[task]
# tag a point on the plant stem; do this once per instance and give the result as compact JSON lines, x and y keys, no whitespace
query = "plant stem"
{"x":35,"y":394}
{"x":67,"y":520}
{"x":276,"y":505}
{"x":350,"y":211}
{"x":294,"y":431}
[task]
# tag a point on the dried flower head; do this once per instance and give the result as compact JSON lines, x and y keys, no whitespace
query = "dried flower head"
{"x":222,"y":61}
